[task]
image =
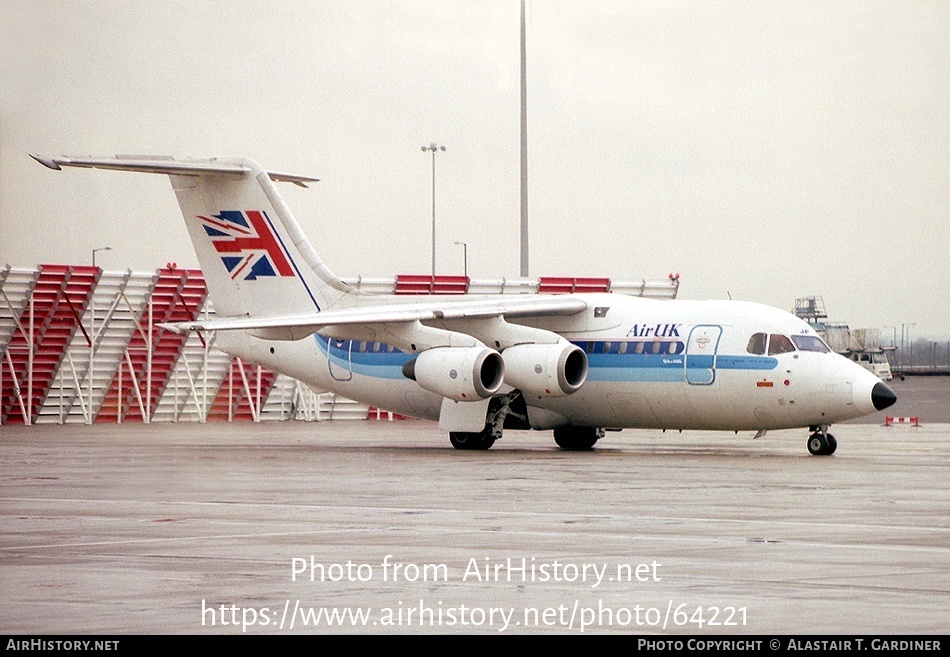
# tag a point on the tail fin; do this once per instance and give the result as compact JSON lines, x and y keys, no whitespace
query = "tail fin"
{"x":255,"y":258}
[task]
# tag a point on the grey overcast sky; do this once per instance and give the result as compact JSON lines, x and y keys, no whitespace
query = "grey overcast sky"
{"x":761,"y":150}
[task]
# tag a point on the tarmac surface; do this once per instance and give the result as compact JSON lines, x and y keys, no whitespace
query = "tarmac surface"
{"x":382,"y":527}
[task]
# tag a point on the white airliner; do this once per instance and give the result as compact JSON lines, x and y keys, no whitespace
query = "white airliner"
{"x":579,"y":364}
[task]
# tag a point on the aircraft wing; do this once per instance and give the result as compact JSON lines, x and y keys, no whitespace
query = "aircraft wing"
{"x":301,"y":325}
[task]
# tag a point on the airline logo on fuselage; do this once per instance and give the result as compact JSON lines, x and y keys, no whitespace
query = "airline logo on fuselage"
{"x":247,"y":244}
{"x":654,"y":331}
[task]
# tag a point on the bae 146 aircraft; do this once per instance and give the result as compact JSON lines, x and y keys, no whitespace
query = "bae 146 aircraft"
{"x":577,"y":364}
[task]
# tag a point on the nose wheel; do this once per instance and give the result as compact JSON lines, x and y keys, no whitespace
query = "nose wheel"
{"x":822,"y":443}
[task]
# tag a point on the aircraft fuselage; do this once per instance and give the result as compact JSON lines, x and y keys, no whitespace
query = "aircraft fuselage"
{"x":652,"y":364}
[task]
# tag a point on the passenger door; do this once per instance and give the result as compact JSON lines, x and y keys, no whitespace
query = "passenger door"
{"x":700,"y":358}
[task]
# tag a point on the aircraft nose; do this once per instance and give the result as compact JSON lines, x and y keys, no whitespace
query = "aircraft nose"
{"x":882,"y":396}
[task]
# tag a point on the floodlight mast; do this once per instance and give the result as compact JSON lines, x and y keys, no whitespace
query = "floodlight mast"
{"x":433,"y":147}
{"x":524,"y":148}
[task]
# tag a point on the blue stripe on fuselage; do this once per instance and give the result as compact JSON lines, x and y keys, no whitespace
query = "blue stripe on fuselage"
{"x":364,"y":359}
{"x":382,"y":364}
{"x":659,"y":367}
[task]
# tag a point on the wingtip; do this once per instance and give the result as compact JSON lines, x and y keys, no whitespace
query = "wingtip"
{"x":47,"y":162}
{"x":179,"y":329}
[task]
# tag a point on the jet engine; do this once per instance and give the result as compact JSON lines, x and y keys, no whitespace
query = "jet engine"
{"x":458,"y":373}
{"x":545,"y":370}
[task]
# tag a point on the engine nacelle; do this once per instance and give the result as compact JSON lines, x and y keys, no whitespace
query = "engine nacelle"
{"x":545,"y":370}
{"x":458,"y":373}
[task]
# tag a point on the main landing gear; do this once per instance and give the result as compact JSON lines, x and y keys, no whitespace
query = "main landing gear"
{"x":821,"y":443}
{"x":500,"y":410}
{"x":473,"y":440}
{"x":577,"y":438}
{"x":509,"y":411}
{"x":574,"y":439}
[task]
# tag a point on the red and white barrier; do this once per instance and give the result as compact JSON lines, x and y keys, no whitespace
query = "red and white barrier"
{"x":890,"y":421}
{"x":380,"y":414}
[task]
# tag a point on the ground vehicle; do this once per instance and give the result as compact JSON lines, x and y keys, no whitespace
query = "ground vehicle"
{"x":875,"y":362}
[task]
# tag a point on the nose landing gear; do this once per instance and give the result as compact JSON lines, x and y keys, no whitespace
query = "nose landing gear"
{"x":821,"y":443}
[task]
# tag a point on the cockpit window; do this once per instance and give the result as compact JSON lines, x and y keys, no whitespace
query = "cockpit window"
{"x":810,"y":343}
{"x":757,"y":344}
{"x":779,"y":344}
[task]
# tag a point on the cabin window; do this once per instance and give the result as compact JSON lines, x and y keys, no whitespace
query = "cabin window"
{"x":376,"y":347}
{"x":606,"y":348}
{"x":779,"y":344}
{"x":756,"y":344}
{"x":656,"y":347}
{"x":639,"y":348}
{"x":363,"y":347}
{"x":810,"y":343}
{"x":623,"y":347}
{"x":674,"y":347}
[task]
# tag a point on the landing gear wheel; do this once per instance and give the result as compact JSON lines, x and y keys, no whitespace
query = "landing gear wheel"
{"x":577,"y":438}
{"x":480,"y":440}
{"x":821,"y":444}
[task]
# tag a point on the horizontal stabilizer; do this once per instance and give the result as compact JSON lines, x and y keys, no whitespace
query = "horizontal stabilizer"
{"x":167,"y":165}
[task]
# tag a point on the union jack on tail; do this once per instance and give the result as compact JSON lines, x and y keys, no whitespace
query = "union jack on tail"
{"x":248,"y":246}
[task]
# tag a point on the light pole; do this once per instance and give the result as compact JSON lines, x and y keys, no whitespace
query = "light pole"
{"x":524,"y":147}
{"x":433,"y":147}
{"x":101,"y":248}
{"x":904,"y":361}
{"x":910,"y":346}
{"x":464,"y":256}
